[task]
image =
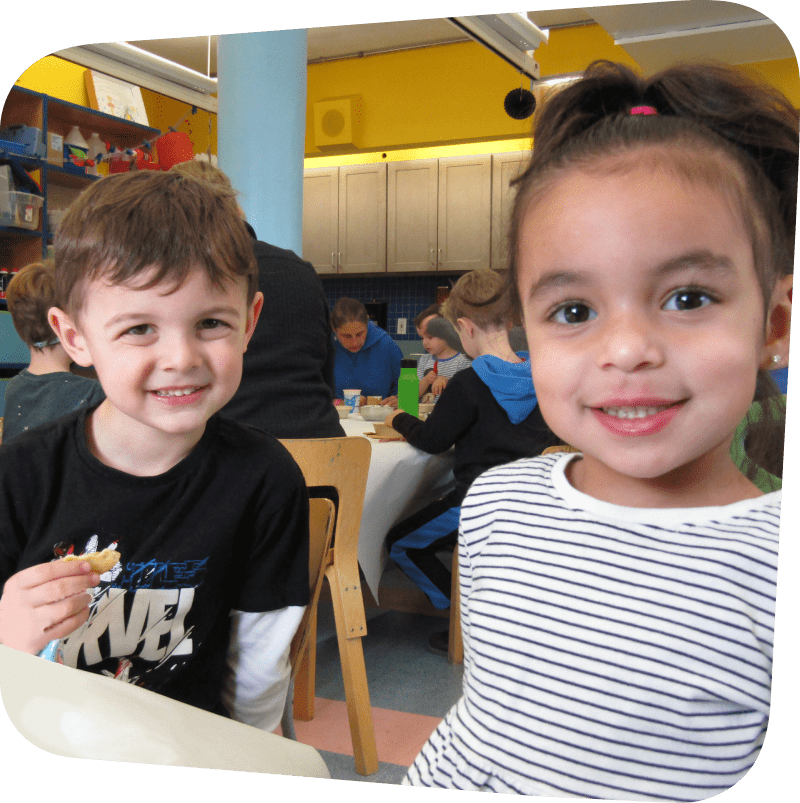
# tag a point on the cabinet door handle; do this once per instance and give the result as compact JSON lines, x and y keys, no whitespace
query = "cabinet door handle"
{"x":440,"y":256}
{"x":433,"y":258}
{"x":339,"y":263}
{"x":333,"y":259}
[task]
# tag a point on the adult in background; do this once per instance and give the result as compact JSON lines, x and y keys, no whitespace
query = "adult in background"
{"x":366,"y":357}
{"x":287,"y":377}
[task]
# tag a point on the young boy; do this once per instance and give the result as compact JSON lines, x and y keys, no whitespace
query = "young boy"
{"x":158,"y":289}
{"x":441,"y":362}
{"x":487,"y":411}
{"x":46,"y":389}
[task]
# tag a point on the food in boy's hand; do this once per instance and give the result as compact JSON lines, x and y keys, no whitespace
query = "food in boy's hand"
{"x":101,"y":562}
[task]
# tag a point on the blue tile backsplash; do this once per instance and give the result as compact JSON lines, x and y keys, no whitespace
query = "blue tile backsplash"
{"x":406,"y":296}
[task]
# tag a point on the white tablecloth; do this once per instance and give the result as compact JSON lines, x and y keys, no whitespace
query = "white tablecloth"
{"x":401,"y":480}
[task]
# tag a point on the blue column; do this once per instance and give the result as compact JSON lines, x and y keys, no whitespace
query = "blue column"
{"x":261,"y":129}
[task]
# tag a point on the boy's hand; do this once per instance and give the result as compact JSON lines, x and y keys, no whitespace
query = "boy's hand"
{"x":389,"y":401}
{"x":438,"y":385}
{"x":45,"y":602}
{"x":426,"y":382}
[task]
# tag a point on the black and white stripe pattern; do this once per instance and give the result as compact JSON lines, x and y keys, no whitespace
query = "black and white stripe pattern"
{"x":609,"y":652}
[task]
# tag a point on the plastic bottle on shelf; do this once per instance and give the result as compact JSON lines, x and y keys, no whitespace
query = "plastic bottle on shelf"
{"x":74,"y":140}
{"x":408,"y":387}
{"x":98,"y":152}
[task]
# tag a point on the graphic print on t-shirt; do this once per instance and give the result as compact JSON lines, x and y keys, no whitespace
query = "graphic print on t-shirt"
{"x":137,"y":619}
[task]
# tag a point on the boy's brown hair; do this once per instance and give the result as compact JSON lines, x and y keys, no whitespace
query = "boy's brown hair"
{"x":122,"y":225}
{"x":481,"y":296}
{"x":434,"y":309}
{"x":30,"y":295}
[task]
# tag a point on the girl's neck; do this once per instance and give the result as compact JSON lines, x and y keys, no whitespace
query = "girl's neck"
{"x":494,"y":342}
{"x":710,"y":481}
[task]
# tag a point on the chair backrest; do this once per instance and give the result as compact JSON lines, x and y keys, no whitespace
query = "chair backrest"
{"x":342,"y":463}
{"x":320,"y":527}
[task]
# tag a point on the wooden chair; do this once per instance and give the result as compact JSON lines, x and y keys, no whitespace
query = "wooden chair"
{"x":342,"y":463}
{"x":320,"y":528}
{"x":455,"y":641}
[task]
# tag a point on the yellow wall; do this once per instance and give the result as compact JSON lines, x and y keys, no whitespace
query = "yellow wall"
{"x":414,"y":103}
{"x":65,"y":80}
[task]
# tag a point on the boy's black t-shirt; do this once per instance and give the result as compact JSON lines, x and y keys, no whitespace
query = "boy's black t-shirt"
{"x":226,"y":528}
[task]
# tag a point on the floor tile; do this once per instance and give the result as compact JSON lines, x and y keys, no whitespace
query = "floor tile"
{"x":398,"y":736}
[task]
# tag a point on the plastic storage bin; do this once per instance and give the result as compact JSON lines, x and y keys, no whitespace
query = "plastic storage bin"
{"x":24,"y":139}
{"x":20,"y":209}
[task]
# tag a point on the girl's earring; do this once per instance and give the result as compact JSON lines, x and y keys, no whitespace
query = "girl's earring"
{"x":776,"y":358}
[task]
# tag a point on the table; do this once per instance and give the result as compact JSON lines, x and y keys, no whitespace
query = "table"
{"x":402,"y":480}
{"x":79,"y":714}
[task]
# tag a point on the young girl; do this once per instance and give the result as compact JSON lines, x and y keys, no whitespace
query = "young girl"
{"x":618,"y":603}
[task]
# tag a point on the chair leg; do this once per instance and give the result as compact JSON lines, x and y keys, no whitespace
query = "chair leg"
{"x":305,"y":680}
{"x":287,"y":722}
{"x":455,"y":646}
{"x":354,"y":674}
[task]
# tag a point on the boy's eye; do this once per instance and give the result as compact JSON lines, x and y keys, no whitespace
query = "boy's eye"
{"x":211,"y":323}
{"x":573,"y":312}
{"x":688,"y":299}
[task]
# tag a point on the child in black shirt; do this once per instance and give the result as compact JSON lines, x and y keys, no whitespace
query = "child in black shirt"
{"x":158,"y":289}
{"x":488,"y":412}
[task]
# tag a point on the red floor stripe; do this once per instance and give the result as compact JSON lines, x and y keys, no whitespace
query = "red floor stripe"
{"x":398,"y":736}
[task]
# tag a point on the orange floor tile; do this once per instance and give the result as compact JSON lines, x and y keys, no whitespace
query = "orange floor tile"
{"x":398,"y":736}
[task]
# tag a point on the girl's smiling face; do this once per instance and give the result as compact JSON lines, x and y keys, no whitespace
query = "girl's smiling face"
{"x":645,"y":325}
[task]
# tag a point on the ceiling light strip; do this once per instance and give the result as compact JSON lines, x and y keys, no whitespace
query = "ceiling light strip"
{"x":143,"y":77}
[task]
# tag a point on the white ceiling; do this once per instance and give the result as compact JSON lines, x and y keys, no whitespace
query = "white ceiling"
{"x":653,"y":34}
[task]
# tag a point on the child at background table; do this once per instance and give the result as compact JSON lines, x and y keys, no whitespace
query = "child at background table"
{"x":46,"y":389}
{"x":618,"y":603}
{"x":157,"y":287}
{"x":488,"y":412}
{"x":441,"y":362}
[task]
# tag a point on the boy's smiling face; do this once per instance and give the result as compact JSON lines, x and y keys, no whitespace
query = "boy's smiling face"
{"x":167,"y":359}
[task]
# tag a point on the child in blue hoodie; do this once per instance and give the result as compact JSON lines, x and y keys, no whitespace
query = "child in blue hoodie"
{"x":488,"y":412}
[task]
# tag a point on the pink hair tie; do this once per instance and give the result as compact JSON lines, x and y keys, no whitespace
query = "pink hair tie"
{"x":643,"y":110}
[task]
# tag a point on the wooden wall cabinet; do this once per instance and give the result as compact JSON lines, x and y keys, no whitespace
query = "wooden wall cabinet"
{"x":505,"y":168}
{"x":449,"y":215}
{"x":412,"y":210}
{"x":438,"y":214}
{"x":344,"y":218}
{"x":464,"y":230}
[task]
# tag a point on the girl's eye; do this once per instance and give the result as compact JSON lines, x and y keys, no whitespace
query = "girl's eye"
{"x":139,"y":329}
{"x":688,"y":299}
{"x":573,"y":312}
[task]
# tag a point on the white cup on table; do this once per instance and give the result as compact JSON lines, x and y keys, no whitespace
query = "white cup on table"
{"x":352,"y":398}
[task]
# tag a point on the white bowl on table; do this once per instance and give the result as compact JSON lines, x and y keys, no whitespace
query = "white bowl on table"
{"x":375,"y":412}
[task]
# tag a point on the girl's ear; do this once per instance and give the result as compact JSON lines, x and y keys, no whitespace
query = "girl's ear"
{"x":776,"y":340}
{"x":69,"y":335}
{"x":465,"y":325}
